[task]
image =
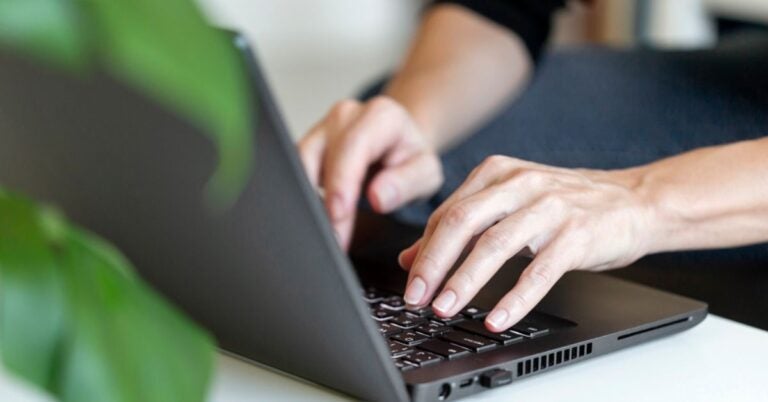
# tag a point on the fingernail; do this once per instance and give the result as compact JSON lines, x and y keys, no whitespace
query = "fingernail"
{"x":415,"y":291}
{"x":498,"y":317}
{"x":445,"y":301}
{"x":337,"y":207}
{"x":387,"y":196}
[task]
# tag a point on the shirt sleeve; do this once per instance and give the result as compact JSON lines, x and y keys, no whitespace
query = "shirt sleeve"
{"x":531,"y":20}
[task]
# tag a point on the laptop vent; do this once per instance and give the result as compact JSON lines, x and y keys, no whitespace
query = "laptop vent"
{"x":553,"y":359}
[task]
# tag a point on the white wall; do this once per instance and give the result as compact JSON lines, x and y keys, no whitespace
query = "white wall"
{"x":318,"y":51}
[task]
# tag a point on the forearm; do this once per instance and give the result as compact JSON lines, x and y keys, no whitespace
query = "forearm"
{"x":708,"y":198}
{"x":460,"y":70}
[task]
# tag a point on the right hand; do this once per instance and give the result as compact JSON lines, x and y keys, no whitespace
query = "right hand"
{"x":339,"y":151}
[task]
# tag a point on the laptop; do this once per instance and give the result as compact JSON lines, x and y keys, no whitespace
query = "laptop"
{"x":266,"y":276}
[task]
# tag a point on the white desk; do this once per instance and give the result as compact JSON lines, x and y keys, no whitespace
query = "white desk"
{"x":719,"y":360}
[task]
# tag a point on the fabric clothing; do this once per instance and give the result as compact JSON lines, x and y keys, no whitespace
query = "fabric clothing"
{"x":531,"y":20}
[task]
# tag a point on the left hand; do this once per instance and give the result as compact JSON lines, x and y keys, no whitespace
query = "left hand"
{"x":568,"y":218}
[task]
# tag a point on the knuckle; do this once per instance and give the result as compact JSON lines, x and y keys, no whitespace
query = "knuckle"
{"x":492,"y":162}
{"x":515,"y":298}
{"x":342,"y":108}
{"x":457,"y":215}
{"x":532,"y":178}
{"x":383,"y":103}
{"x":495,"y":240}
{"x":541,"y":274}
{"x":552,"y":202}
{"x":463,"y":282}
{"x":428,"y":263}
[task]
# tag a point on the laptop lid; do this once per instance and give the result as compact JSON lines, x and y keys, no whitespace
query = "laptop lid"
{"x":266,"y":276}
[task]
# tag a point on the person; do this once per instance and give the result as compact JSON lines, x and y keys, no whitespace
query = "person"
{"x":586,"y":159}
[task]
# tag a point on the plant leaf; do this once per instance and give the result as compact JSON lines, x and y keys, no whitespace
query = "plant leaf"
{"x":164,"y":48}
{"x":44,"y":29}
{"x":32,"y":297}
{"x":168,"y":50}
{"x":82,"y":325}
{"x":127,"y":344}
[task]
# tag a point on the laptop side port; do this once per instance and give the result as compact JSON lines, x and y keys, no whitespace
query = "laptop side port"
{"x":445,"y":391}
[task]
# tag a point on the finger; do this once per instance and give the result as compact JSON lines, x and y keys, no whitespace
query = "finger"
{"x":344,"y":230}
{"x":349,"y":155}
{"x":470,"y":186}
{"x":395,"y":186}
{"x":311,"y":149}
{"x":534,"y":283}
{"x":406,"y":257}
{"x":492,"y":170}
{"x":493,"y":248}
{"x":453,"y":232}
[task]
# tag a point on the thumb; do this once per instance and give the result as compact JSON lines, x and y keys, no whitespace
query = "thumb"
{"x":396,"y":185}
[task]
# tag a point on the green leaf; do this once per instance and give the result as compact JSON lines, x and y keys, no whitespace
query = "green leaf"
{"x":32,"y":296}
{"x":74,"y":319}
{"x":44,"y":29}
{"x":165,"y":49}
{"x":127,"y":344}
{"x":168,"y":50}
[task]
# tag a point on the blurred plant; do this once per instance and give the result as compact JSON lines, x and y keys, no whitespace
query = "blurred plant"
{"x":163,"y":48}
{"x":76,"y":322}
{"x":74,"y":319}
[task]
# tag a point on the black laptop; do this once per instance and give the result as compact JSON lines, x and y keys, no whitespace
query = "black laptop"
{"x":266,"y":276}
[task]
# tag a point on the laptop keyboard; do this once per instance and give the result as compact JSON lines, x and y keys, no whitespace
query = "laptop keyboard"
{"x":418,"y":338}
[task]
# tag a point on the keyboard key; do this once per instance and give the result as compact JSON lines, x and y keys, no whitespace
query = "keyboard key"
{"x":473,"y":312}
{"x":382,"y":314}
{"x":448,"y":320}
{"x":404,"y":365}
{"x":422,"y":358}
{"x":409,"y":338}
{"x":529,"y":329}
{"x":473,"y":342}
{"x":407,"y":321}
{"x":432,"y":328}
{"x":420,"y":312}
{"x":444,"y":349}
{"x":372,"y":295}
{"x":393,"y":303}
{"x":397,"y":349}
{"x":388,"y":329}
{"x":478,"y":328}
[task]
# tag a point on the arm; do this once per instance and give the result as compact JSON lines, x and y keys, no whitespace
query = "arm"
{"x":460,"y":69}
{"x":712,"y":197}
{"x":578,"y":219}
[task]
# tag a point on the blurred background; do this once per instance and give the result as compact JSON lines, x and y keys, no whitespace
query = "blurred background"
{"x":317,"y":52}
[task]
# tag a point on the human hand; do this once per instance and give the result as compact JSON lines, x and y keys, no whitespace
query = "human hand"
{"x":569,"y":219}
{"x":339,"y":151}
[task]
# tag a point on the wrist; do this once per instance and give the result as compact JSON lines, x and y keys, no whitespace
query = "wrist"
{"x":419,"y":114}
{"x":655,"y":222}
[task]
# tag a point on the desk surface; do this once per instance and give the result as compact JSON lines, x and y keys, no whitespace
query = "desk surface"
{"x":718,"y":360}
